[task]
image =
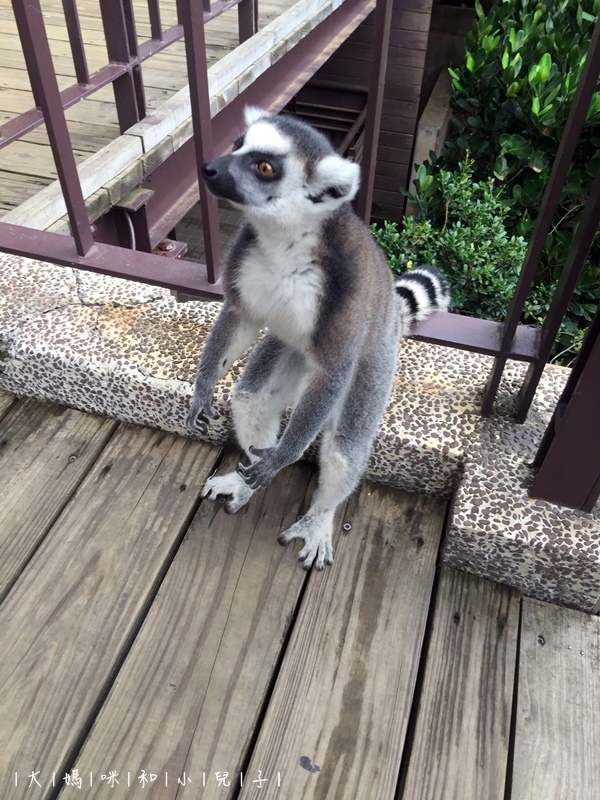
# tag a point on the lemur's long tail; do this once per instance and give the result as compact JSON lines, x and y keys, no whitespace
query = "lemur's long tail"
{"x":422,"y":290}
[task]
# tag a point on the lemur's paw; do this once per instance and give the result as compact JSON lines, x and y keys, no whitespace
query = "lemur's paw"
{"x":316,"y":532}
{"x":199,"y":417}
{"x":262,"y":469}
{"x":229,"y":489}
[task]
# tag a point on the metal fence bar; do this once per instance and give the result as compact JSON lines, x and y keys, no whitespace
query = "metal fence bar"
{"x":247,"y":19}
{"x":195,"y":49}
{"x":30,"y":23}
{"x":582,"y":241}
{"x":30,"y":120}
{"x":568,"y":460}
{"x":128,"y":89}
{"x":107,"y":259}
{"x":381,"y":39}
{"x":560,"y":169}
{"x":76,"y":41}
{"x":155,"y":22}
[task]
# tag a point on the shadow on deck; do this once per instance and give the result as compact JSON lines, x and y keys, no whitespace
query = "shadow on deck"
{"x":155,"y":646}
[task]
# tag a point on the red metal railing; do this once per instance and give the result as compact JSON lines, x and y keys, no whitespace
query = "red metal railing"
{"x":273,"y":89}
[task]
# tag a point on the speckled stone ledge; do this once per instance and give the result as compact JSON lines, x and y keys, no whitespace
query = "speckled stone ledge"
{"x":129,"y":351}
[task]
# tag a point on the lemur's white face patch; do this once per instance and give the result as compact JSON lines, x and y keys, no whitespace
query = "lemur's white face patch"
{"x":264,"y":138}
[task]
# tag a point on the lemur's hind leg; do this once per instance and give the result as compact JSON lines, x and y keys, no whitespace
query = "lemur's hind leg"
{"x":340,"y":471}
{"x":271,"y":382}
{"x":346,"y":445}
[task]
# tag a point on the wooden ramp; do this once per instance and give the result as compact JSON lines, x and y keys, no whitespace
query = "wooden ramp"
{"x":153,"y":646}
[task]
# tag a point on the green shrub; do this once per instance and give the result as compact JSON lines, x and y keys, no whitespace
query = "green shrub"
{"x":468,"y":241}
{"x":510,"y":101}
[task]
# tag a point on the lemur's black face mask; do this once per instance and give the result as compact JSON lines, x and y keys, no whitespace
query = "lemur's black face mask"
{"x":250,"y":178}
{"x":219,"y":179}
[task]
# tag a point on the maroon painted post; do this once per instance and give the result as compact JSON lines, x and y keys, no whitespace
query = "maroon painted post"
{"x":195,"y":49}
{"x":381,"y":40}
{"x":121,"y":45}
{"x":30,"y":23}
{"x":76,"y":41}
{"x":560,"y":169}
{"x":568,"y":460}
{"x":155,"y":23}
{"x":582,"y":241}
{"x":247,"y":19}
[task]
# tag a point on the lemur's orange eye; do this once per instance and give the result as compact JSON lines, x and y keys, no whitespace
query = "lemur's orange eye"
{"x":265,"y":169}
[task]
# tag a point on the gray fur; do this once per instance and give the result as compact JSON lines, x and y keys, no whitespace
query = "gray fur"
{"x":308,"y":269}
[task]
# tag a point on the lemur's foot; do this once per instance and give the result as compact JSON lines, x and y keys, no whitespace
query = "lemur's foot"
{"x":230,"y":489}
{"x":316,"y":530}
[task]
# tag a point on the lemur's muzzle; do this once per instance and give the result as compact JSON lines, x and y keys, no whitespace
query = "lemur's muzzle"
{"x":219,"y":179}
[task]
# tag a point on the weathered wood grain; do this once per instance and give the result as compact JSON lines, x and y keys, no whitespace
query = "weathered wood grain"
{"x":336,"y":723}
{"x":191,"y":691}
{"x":68,"y":622}
{"x":45,"y":452}
{"x":6,"y":401}
{"x":558,"y":724}
{"x":461,"y":740}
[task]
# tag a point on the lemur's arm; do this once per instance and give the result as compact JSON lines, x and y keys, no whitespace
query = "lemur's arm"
{"x":312,"y":411}
{"x":231,"y":335}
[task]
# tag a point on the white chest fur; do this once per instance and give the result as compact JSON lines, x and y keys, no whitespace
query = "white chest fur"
{"x":281,"y":285}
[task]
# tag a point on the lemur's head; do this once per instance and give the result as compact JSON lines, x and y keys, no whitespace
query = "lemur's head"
{"x":282,"y":168}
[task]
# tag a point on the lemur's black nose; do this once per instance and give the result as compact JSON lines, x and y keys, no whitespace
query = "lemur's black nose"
{"x":209,"y":170}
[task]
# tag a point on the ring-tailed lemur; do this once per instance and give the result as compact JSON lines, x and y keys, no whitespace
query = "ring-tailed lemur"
{"x":305,"y":267}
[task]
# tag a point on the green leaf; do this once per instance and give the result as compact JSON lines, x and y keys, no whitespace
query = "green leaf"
{"x":505,"y":59}
{"x":501,"y":168}
{"x":544,"y":68}
{"x":537,"y":162}
{"x":535,"y":106}
{"x":513,"y":89}
{"x":469,"y":62}
{"x":515,"y":144}
{"x":533,"y":74}
{"x":516,"y":64}
{"x":490,"y":43}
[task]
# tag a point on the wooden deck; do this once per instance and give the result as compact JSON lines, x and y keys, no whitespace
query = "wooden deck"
{"x":152,"y":646}
{"x":27,"y":166}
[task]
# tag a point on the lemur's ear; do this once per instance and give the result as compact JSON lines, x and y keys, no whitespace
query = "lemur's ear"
{"x":337,"y":178}
{"x":253,"y":113}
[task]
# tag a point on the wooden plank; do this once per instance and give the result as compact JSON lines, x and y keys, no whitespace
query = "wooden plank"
{"x":6,"y":401}
{"x":461,"y":741}
{"x":389,"y":183}
{"x":49,"y":205}
{"x":30,"y":159}
{"x":15,"y":188}
{"x":558,"y":726}
{"x":45,"y":453}
{"x":191,"y":705}
{"x":392,"y":156}
{"x":67,"y":624}
{"x":336,"y":724}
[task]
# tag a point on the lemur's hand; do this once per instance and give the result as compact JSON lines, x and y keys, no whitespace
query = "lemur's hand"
{"x":262,"y":471}
{"x":200,"y":414}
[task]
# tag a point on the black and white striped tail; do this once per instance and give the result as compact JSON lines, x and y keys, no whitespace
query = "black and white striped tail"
{"x":422,"y":290}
